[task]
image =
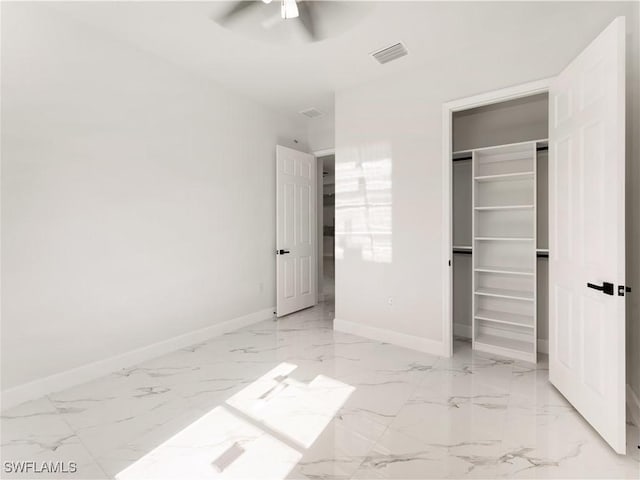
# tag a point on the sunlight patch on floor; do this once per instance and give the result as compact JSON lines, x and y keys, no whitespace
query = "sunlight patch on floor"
{"x":238,"y":439}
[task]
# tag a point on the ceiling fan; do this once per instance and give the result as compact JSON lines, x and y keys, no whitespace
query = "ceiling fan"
{"x":304,"y":11}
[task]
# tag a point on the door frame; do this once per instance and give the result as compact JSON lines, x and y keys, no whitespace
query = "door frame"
{"x":319,"y":219}
{"x":448,"y":109}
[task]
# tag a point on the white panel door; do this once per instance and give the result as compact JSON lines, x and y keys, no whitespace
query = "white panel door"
{"x":587,"y":234}
{"x":295,"y":230}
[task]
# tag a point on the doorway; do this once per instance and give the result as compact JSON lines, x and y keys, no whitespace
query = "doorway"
{"x":506,"y":312}
{"x":516,"y":114}
{"x":586,"y":319}
{"x":326,"y":228}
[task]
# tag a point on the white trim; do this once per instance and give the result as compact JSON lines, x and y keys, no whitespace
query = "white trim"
{"x":501,"y":95}
{"x":75,"y":376}
{"x":633,"y":402}
{"x":543,"y":346}
{"x":319,"y":228}
{"x":420,"y":344}
{"x":447,"y":230}
{"x":461,"y":330}
{"x":487,"y":98}
{"x":325,"y":152}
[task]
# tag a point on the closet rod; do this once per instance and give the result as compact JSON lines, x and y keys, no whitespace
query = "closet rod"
{"x":469,"y":252}
{"x":538,"y":149}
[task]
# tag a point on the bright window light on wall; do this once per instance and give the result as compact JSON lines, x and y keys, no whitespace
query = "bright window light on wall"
{"x":289,"y":9}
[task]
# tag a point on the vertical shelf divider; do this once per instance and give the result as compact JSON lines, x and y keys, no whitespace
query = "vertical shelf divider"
{"x":474,"y":250}
{"x":534,"y":251}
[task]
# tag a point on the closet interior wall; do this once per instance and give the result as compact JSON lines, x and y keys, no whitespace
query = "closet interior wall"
{"x":514,"y":121}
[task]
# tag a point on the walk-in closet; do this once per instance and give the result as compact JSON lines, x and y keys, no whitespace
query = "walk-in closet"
{"x":500,"y":234}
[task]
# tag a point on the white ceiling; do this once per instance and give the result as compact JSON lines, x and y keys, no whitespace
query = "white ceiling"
{"x":292,"y":76}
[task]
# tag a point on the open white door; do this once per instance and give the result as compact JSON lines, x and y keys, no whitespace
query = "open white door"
{"x":587,"y":234}
{"x":295,"y":230}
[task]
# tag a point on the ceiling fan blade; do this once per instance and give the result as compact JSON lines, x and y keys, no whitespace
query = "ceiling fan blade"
{"x":307,"y":16}
{"x":237,"y":9}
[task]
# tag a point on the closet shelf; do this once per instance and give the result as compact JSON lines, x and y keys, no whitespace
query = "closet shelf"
{"x":506,"y":239}
{"x":505,"y":177}
{"x":505,"y":207}
{"x":504,"y":343}
{"x":506,"y":318}
{"x":505,"y":293}
{"x":506,"y":270}
{"x":505,"y":153}
{"x":502,"y":200}
{"x":540,"y":143}
{"x":540,"y":252}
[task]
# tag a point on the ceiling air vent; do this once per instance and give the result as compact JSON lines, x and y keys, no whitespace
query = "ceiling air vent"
{"x":311,"y":112}
{"x":387,"y":54}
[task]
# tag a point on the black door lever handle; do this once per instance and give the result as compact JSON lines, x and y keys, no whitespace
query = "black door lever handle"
{"x":282,"y":252}
{"x":606,"y":287}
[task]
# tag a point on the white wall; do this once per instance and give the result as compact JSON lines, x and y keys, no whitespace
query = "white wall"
{"x":138,"y":201}
{"x":321,"y":132}
{"x":398,"y":120}
{"x":514,"y":121}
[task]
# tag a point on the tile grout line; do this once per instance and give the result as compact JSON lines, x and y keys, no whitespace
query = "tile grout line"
{"x":75,"y":433}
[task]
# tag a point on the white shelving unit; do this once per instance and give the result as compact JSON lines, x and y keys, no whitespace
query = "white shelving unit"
{"x":504,"y":250}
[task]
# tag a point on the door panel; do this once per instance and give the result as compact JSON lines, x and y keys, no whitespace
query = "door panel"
{"x":295,"y":230}
{"x":288,"y":193}
{"x":586,"y":217}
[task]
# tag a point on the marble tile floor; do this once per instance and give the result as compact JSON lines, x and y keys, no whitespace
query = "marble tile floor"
{"x":292,"y":399}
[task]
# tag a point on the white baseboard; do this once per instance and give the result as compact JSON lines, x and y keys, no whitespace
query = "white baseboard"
{"x":633,"y":402}
{"x":461,"y":330}
{"x":389,"y":336}
{"x":69,"y":378}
